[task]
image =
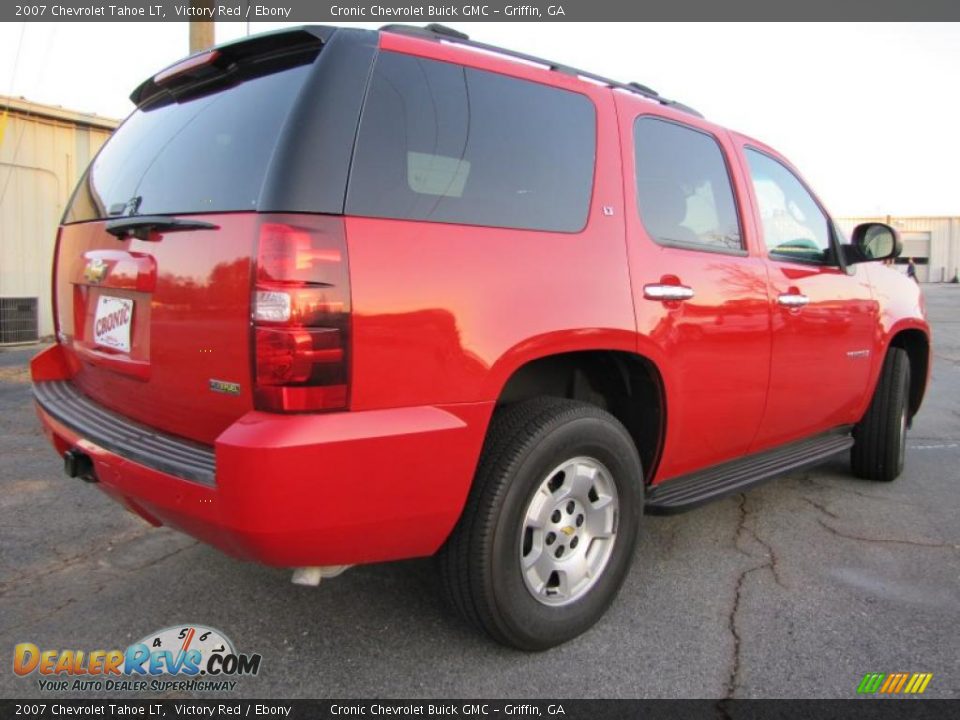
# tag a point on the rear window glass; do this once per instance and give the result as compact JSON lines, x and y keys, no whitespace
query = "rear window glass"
{"x":683,"y":188}
{"x":447,"y":143}
{"x":208,"y":154}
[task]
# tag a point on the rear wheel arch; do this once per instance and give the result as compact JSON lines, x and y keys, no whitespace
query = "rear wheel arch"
{"x":627,"y":385}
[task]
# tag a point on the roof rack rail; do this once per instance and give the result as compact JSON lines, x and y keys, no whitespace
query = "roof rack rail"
{"x":435,"y":31}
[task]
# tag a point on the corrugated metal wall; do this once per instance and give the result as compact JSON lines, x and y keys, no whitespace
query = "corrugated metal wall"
{"x":43,"y":153}
{"x":942,"y":234}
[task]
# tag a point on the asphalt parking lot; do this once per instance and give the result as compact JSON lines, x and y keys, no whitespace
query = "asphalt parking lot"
{"x":795,"y":589}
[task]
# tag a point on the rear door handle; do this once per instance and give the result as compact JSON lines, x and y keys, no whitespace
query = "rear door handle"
{"x":792,"y":300}
{"x":662,"y":292}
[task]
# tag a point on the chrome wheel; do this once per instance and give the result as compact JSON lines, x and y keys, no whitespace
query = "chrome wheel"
{"x":569,"y":530}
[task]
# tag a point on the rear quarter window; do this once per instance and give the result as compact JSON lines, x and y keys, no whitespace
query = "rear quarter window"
{"x":446,"y":143}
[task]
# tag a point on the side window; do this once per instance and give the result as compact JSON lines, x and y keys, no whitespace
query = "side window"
{"x":447,"y":143}
{"x":794,"y":226}
{"x":683,"y":188}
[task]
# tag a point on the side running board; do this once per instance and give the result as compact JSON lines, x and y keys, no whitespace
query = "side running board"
{"x":689,"y":491}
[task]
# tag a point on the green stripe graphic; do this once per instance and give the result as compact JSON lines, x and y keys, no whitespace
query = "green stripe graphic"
{"x":871,"y":682}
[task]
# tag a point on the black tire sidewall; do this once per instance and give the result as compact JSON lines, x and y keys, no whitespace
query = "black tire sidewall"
{"x":900,"y":392}
{"x":518,"y":614}
{"x":879,"y":448}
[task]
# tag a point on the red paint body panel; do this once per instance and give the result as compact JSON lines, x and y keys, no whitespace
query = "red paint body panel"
{"x":191,"y":293}
{"x":821,"y":354}
{"x":818,"y":374}
{"x":312,"y":489}
{"x":446,"y":313}
{"x":441,"y":317}
{"x":713,"y":351}
{"x":901,"y":308}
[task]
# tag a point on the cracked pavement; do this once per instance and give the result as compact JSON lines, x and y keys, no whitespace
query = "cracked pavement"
{"x":794,"y":589}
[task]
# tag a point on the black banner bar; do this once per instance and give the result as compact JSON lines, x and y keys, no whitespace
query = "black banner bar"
{"x":918,"y":709}
{"x":393,"y":11}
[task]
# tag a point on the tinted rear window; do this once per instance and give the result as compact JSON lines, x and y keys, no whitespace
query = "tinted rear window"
{"x":447,"y":143}
{"x":208,"y":154}
{"x":683,"y":188}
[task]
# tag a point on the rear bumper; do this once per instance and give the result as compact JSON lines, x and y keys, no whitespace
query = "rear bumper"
{"x":111,"y":431}
{"x":288,"y":490}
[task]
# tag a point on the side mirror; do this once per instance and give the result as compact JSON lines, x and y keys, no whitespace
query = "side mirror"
{"x":872,"y":241}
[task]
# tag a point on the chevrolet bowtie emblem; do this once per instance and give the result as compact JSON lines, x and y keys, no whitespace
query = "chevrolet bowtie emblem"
{"x":95,"y":271}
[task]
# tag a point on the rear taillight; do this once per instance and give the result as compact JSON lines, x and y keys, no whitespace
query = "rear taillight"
{"x":301,"y":314}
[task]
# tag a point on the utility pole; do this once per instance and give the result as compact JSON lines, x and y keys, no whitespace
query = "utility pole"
{"x":201,"y":31}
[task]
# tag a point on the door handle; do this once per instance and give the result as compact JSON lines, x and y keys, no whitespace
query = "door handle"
{"x":662,"y":292}
{"x":792,"y":300}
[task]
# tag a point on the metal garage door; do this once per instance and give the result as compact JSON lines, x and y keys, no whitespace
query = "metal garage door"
{"x":916,"y":245}
{"x":29,"y":211}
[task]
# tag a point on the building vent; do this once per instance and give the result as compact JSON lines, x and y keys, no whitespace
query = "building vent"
{"x":18,"y":320}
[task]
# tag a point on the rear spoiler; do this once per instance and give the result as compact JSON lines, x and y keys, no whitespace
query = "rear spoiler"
{"x":232,"y":63}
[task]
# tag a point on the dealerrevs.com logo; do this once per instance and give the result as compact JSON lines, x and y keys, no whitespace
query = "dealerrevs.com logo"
{"x":182,"y":658}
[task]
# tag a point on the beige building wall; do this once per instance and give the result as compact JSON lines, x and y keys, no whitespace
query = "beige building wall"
{"x":43,"y":152}
{"x":935,"y":240}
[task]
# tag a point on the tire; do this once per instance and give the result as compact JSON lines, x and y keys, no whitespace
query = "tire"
{"x":880,"y":438}
{"x":496,"y":567}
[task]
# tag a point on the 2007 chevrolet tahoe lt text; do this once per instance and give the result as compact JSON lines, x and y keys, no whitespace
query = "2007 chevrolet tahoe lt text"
{"x":337,"y":296}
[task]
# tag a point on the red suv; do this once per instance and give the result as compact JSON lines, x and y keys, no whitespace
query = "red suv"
{"x":335,"y":296}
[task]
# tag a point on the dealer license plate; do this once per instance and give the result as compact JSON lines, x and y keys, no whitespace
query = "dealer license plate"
{"x":111,"y":324}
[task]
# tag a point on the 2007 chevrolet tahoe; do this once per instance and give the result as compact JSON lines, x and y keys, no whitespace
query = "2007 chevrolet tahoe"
{"x":336,"y":296}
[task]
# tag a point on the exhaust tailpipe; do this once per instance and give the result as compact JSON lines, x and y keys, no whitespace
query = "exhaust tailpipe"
{"x":312,"y":576}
